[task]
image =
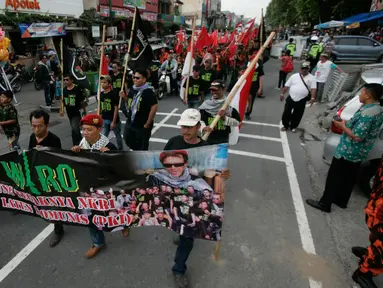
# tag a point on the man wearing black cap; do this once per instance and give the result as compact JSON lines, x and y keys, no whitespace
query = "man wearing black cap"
{"x":195,"y":92}
{"x":212,"y":107}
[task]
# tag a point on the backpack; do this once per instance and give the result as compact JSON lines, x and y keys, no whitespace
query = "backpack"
{"x":289,"y":67}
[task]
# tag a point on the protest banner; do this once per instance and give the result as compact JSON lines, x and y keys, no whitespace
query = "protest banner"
{"x":181,"y":190}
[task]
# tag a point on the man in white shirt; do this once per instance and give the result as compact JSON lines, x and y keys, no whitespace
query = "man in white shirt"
{"x":302,"y":87}
{"x":322,"y":71}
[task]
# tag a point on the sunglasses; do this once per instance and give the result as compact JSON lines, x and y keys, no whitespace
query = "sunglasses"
{"x":173,"y":165}
{"x":305,"y":68}
{"x":66,"y":79}
{"x":136,"y":78}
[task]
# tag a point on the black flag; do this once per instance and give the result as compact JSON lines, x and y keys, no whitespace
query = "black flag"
{"x":71,"y":66}
{"x":141,"y":53}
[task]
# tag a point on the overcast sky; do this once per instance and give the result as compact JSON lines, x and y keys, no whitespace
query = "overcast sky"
{"x":249,"y":8}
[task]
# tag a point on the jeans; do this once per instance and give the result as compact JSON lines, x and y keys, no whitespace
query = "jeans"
{"x":75,"y":125}
{"x":320,"y":90}
{"x":47,"y":93}
{"x":193,"y":104}
{"x":97,"y":237}
{"x":185,"y":246}
{"x":137,"y":138}
{"x":117,"y":132}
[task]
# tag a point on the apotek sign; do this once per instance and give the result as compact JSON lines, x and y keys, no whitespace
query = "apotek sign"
{"x":23,"y":4}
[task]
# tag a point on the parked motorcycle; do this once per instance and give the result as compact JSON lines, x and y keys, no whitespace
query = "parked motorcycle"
{"x":25,"y":74}
{"x":164,"y":86}
{"x":12,"y":77}
{"x":38,"y":85}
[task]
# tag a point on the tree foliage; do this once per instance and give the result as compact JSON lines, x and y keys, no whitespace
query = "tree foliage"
{"x":296,"y":12}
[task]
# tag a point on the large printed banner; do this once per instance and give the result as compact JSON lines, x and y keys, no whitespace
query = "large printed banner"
{"x":36,"y":30}
{"x":182,"y":190}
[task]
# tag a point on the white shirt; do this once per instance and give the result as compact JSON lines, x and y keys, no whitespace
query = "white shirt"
{"x":322,"y":70}
{"x":298,"y":90}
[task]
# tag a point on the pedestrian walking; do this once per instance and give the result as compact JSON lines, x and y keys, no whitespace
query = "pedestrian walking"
{"x":142,"y":108}
{"x":287,"y":66}
{"x":117,"y":76}
{"x":359,"y":134}
{"x":321,"y":71}
{"x":256,"y":89}
{"x":42,"y":137}
{"x":196,"y":88}
{"x":9,"y":121}
{"x":302,"y":87}
{"x":211,"y":107}
{"x":44,"y":76}
{"x":74,"y":101}
{"x":109,"y":101}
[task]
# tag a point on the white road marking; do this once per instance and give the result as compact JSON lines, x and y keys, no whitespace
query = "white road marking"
{"x":303,"y":223}
{"x":164,"y":120}
{"x":11,"y":265}
{"x":259,"y":137}
{"x":164,"y":114}
{"x":235,"y":152}
{"x":261,"y":124}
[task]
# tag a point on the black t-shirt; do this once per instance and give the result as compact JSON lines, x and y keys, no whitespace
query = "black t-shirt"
{"x":196,"y":86}
{"x":116,"y":81}
{"x":147,"y":100}
{"x":73,"y":101}
{"x":208,"y":76}
{"x":164,"y":222}
{"x":50,"y":141}
{"x":178,"y":142}
{"x":258,"y":73}
{"x":221,"y":132}
{"x":153,"y":79}
{"x":143,"y":198}
{"x":108,"y":102}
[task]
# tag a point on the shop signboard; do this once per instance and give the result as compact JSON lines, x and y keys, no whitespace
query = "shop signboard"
{"x":70,"y":8}
{"x":38,"y":30}
{"x":141,"y":4}
{"x":96,"y":32}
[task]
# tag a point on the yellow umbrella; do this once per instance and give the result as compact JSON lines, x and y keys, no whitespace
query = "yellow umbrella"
{"x":353,"y":25}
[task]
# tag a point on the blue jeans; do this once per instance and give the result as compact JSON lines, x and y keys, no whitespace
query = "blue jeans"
{"x":97,"y":237}
{"x":47,"y":93}
{"x":193,"y":104}
{"x":185,"y":246}
{"x":117,"y":132}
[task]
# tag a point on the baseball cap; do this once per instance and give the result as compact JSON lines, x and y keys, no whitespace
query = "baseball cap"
{"x":190,"y":117}
{"x":305,"y":65}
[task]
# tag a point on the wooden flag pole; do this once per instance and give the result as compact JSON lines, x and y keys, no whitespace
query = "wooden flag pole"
{"x":217,"y":250}
{"x":239,"y":83}
{"x":62,"y":76}
{"x":128,"y":56}
{"x":190,"y":63}
{"x":261,"y":31}
{"x":100,"y":70}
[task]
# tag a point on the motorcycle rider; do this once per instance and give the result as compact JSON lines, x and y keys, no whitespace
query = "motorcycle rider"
{"x":170,"y":66}
{"x":313,"y":52}
{"x":292,"y":47}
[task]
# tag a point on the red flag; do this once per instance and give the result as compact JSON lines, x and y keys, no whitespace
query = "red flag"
{"x":224,"y":39}
{"x":232,"y":36}
{"x":105,"y":65}
{"x":180,"y":41}
{"x":203,"y":40}
{"x":245,"y":35}
{"x":232,"y":49}
{"x":214,"y":38}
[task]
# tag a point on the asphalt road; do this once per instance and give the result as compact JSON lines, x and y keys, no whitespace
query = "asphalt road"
{"x":270,"y":237}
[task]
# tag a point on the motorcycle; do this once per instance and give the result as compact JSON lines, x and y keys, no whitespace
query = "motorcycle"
{"x":164,"y":86}
{"x":13,"y":78}
{"x":38,"y":85}
{"x":25,"y":75}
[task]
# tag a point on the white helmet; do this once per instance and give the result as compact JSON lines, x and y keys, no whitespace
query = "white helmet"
{"x":314,"y":38}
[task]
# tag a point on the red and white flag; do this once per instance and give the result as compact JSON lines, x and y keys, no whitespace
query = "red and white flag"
{"x":185,"y":71}
{"x":239,"y":103}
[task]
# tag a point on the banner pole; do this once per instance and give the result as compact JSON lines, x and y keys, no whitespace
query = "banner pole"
{"x":128,"y":56}
{"x":261,"y":34}
{"x":239,"y":83}
{"x":62,"y":75}
{"x":100,"y":70}
{"x":190,"y":62}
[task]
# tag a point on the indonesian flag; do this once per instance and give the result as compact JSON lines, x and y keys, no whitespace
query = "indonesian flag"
{"x":185,"y":71}
{"x":245,"y":35}
{"x":239,"y":102}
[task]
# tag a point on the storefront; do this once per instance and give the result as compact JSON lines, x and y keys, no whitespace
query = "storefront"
{"x":125,"y":8}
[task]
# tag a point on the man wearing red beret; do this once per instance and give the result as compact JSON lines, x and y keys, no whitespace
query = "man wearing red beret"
{"x":91,"y":126}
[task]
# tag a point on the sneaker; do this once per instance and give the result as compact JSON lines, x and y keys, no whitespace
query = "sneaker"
{"x":364,"y":280}
{"x":248,"y":117}
{"x":181,"y":281}
{"x":55,"y":239}
{"x":359,"y":251}
{"x":283,"y":129}
{"x":92,"y":252}
{"x":294,"y":130}
{"x":318,"y":205}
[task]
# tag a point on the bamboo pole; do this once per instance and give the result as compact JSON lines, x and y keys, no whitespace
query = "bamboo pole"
{"x":128,"y":55}
{"x":190,"y":63}
{"x":239,"y":83}
{"x":217,"y":250}
{"x":62,"y":76}
{"x":100,"y":70}
{"x":261,"y":31}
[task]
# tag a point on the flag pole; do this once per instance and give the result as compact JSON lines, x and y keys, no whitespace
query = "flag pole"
{"x":128,"y":56}
{"x":100,"y":71}
{"x":239,"y":83}
{"x":62,"y":75}
{"x":261,"y":34}
{"x":190,"y":62}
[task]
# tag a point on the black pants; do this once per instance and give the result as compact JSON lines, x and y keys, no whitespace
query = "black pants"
{"x":75,"y":126}
{"x":184,"y":248}
{"x":137,"y":138}
{"x":282,"y":79}
{"x":341,"y":179}
{"x":53,"y":91}
{"x":59,"y":229}
{"x":173,"y":85}
{"x":293,"y":113}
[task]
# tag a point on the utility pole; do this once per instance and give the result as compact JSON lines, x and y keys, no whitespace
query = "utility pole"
{"x":110,"y":13}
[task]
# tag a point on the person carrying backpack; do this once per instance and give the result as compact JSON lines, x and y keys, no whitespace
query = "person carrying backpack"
{"x":286,"y":67}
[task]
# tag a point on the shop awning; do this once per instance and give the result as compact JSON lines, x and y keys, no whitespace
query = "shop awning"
{"x":363,"y":17}
{"x":330,"y":24}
